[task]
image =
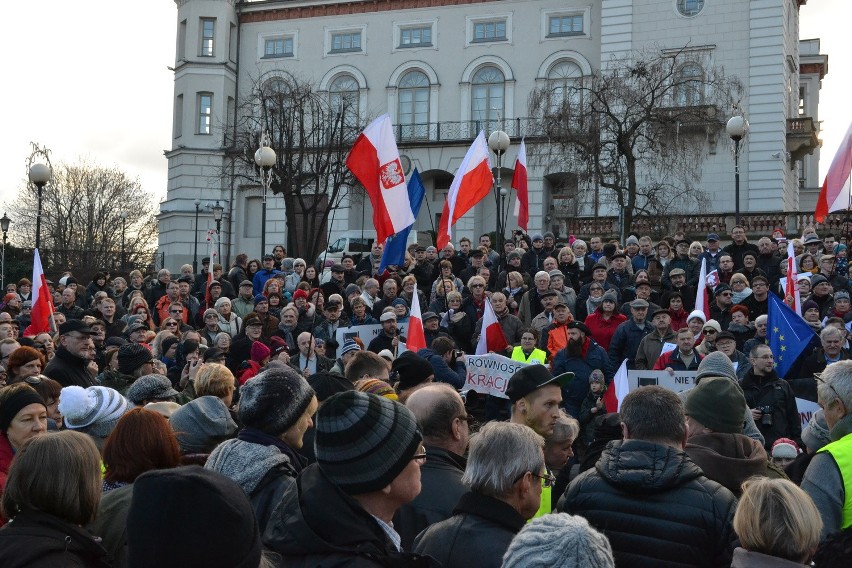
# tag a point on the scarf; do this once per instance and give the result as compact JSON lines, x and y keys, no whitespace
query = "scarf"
{"x":254,"y":436}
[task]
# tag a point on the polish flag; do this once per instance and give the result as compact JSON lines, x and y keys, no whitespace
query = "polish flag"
{"x":471,"y":184}
{"x":416,"y":339}
{"x":791,"y":290}
{"x":835,"y":193}
{"x":702,"y":300}
{"x":491,"y":338}
{"x":617,"y":389}
{"x":519,"y":184}
{"x":374,"y":159}
{"x":42,"y":314}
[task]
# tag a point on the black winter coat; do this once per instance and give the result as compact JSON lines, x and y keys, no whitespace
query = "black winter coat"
{"x":440,"y":479}
{"x":38,"y":540}
{"x":68,"y":369}
{"x":476,"y":536}
{"x":317,"y":524}
{"x":777,"y":394}
{"x":656,"y":507}
{"x":625,"y":343}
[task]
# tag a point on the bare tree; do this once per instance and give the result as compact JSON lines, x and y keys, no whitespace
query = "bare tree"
{"x":636,"y":133}
{"x":311,"y":133}
{"x":82,"y":223}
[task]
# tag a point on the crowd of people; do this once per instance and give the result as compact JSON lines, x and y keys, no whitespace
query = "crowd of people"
{"x":222,"y":418}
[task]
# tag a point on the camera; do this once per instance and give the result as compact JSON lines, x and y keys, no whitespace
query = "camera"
{"x":457,"y":353}
{"x":766,"y":418}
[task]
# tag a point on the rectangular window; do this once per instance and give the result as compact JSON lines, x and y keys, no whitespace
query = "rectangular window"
{"x":278,"y":47}
{"x":565,"y":25}
{"x":181,"y":41}
{"x":232,"y":44}
{"x":346,"y":41}
{"x":415,"y":37}
{"x":178,"y":126}
{"x":252,"y":212}
{"x":205,"y":113}
{"x":208,"y":30}
{"x":489,"y":31}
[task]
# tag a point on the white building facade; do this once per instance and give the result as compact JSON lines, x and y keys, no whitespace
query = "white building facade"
{"x":443,"y":70}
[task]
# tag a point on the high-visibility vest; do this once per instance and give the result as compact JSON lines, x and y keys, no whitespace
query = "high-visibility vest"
{"x":537,"y":355}
{"x":841,"y":451}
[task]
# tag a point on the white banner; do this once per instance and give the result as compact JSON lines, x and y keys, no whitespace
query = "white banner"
{"x":366,"y":332}
{"x":490,"y":374}
{"x":683,"y":380}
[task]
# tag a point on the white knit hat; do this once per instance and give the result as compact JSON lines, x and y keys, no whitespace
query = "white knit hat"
{"x":697,"y":314}
{"x":81,"y":408}
{"x":559,"y":540}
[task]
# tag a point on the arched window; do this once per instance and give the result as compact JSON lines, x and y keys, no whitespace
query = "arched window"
{"x":413,"y":111}
{"x":487,"y":95}
{"x":344,"y":95}
{"x":689,"y":89}
{"x":564,"y":81}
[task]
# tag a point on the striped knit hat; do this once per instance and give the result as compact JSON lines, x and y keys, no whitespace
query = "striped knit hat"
{"x":364,"y":441}
{"x":95,"y":410}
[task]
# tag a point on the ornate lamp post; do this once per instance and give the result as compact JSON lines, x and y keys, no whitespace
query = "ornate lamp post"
{"x":265,"y":159}
{"x":499,"y":143}
{"x":4,"y":226}
{"x":218,"y":211}
{"x":737,"y":128}
{"x":40,"y":175}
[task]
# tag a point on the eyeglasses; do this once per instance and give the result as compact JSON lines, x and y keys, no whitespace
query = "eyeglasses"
{"x":175,"y":311}
{"x":477,"y":285}
{"x":725,"y":294}
{"x":547,"y":480}
{"x":818,"y":376}
{"x":171,"y":324}
{"x":709,"y":331}
{"x":420,"y":456}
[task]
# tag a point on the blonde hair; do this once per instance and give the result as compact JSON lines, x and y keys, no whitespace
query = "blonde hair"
{"x":739,"y":278}
{"x":775,"y":517}
{"x":214,"y":379}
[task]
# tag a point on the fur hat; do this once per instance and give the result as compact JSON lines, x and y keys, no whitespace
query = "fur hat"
{"x":274,"y":400}
{"x":364,"y":441}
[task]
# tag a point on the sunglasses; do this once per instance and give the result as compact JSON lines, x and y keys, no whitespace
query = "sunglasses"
{"x":709,"y":331}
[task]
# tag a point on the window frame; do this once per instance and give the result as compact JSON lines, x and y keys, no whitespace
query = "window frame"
{"x":473,"y":21}
{"x":331,"y":32}
{"x":547,"y":15}
{"x":409,"y":130}
{"x":343,"y":36}
{"x":292,"y":35}
{"x":683,"y":11}
{"x":284,"y":51}
{"x":203,"y":39}
{"x":501,"y":112}
{"x":562,"y":18}
{"x":200,"y":114}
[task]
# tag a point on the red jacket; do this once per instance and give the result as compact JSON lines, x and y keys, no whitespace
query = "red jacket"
{"x":603,"y":329}
{"x":6,"y":456}
{"x":679,"y":319}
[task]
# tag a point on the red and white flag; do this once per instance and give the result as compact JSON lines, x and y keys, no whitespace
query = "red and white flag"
{"x":374,"y":159}
{"x":416,"y":338}
{"x":791,"y":289}
{"x":471,"y":184}
{"x":702,"y":300}
{"x":42,"y":315}
{"x":491,"y":337}
{"x":836,"y":188}
{"x":617,"y":389}
{"x":519,"y":184}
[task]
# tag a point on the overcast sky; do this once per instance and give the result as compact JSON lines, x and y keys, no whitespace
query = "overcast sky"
{"x":90,"y":79}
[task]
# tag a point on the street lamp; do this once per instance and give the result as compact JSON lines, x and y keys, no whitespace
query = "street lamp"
{"x":218,"y":210}
{"x":4,"y":226}
{"x":123,"y":234}
{"x":40,"y":175}
{"x":195,"y":238}
{"x":265,"y":159}
{"x":499,"y":143}
{"x":737,"y":128}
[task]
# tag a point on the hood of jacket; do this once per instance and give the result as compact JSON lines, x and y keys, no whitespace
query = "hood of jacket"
{"x":245,"y":462}
{"x":728,"y":459}
{"x":637,"y":466}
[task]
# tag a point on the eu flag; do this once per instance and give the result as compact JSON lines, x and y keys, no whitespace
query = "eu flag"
{"x":394,"y":252}
{"x":788,"y":334}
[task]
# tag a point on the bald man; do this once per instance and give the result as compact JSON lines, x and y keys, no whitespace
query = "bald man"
{"x":441,"y":414}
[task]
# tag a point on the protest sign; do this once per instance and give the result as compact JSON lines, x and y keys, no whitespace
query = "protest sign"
{"x":490,"y":373}
{"x":366,"y":332}
{"x":806,"y":410}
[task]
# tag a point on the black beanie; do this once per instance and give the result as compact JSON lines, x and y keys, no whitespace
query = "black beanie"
{"x":363,"y":441}
{"x":413,"y":370}
{"x":132,"y":356}
{"x":191,"y":516}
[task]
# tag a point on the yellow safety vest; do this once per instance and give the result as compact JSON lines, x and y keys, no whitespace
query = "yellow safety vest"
{"x":545,"y":507}
{"x":841,"y":451}
{"x":537,"y":355}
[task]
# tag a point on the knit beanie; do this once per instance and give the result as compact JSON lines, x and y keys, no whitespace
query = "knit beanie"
{"x":559,"y":540}
{"x":697,"y":314}
{"x":716,"y":364}
{"x":364,"y":441}
{"x":274,"y":400}
{"x":785,"y":448}
{"x":610,"y":296}
{"x":348,"y":345}
{"x":375,"y":386}
{"x":95,"y":410}
{"x":718,"y":404}
{"x":259,"y":351}
{"x":809,"y":305}
{"x":326,"y":384}
{"x":132,"y":356}
{"x":412,"y":369}
{"x":201,"y":424}
{"x":300,"y":294}
{"x":597,"y":376}
{"x":151,"y":387}
{"x":816,"y":434}
{"x":167,"y":344}
{"x":221,"y":302}
{"x":190,"y":516}
{"x":260,"y":298}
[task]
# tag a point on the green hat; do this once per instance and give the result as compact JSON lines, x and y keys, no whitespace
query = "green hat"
{"x":718,"y":404}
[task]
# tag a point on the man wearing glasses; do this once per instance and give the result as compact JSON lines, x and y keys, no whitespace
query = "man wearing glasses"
{"x":720,"y":308}
{"x":76,"y":350}
{"x":506,"y":474}
{"x":771,"y":399}
{"x":827,"y":479}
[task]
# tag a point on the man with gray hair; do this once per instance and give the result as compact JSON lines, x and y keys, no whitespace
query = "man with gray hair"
{"x":445,"y":426}
{"x":504,"y":472}
{"x":648,"y":497}
{"x":829,"y":475}
{"x":831,"y":351}
{"x":530,"y":304}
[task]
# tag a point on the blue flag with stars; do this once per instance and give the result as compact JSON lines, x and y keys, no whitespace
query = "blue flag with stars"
{"x":394,"y":252}
{"x":788,"y":334}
